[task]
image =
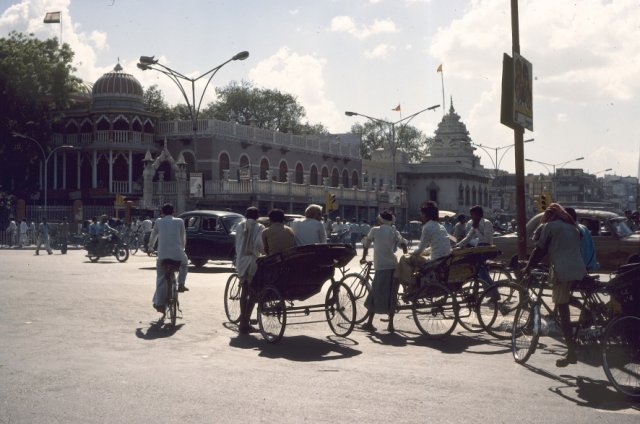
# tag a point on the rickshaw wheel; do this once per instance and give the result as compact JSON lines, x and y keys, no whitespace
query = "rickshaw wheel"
{"x":232,"y":299}
{"x":272,"y":314}
{"x":435,"y":311}
{"x":340,"y":309}
{"x":468,"y":297}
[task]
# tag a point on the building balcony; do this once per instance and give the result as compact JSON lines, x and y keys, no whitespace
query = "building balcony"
{"x":122,"y":139}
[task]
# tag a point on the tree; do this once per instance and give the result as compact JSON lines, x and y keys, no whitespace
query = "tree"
{"x":36,"y":83}
{"x":265,"y":108}
{"x":154,"y":102}
{"x":375,"y":135}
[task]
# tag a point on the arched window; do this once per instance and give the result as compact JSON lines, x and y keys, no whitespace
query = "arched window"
{"x":325,"y":174}
{"x":313,"y":175}
{"x":335,"y":177}
{"x":136,"y":126}
{"x":345,"y":178}
{"x":354,"y":179}
{"x":299,"y":174}
{"x":103,"y":124}
{"x":282,"y":173}
{"x":264,"y":167}
{"x":223,"y":164}
{"x":121,"y":125}
{"x":244,"y":170}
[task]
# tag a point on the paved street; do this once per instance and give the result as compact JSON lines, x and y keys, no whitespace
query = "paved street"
{"x":79,"y":344}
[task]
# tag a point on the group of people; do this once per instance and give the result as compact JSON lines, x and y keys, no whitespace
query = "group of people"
{"x":24,"y":234}
{"x":346,"y":231}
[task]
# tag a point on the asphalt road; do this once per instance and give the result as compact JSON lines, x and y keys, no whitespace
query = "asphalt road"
{"x":79,"y":343}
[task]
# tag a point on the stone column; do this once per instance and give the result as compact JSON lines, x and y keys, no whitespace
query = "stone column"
{"x":181,"y":177}
{"x":147,"y":181}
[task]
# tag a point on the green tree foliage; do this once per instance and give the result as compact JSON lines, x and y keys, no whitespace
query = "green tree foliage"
{"x":154,"y":102}
{"x":36,"y":83}
{"x":375,"y":135}
{"x":265,"y":108}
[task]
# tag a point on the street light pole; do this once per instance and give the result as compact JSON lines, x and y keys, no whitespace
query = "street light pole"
{"x":496,"y":163}
{"x":149,"y":62}
{"x":393,"y":132}
{"x":45,"y":158}
{"x":553,"y":176}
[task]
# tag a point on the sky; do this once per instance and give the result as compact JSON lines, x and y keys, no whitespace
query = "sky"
{"x":368,"y":56}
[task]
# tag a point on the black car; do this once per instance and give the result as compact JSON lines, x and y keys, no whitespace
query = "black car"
{"x":210,"y":235}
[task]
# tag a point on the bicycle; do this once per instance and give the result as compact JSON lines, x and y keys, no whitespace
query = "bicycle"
{"x":172,"y":305}
{"x":360,"y":285}
{"x":497,"y":306}
{"x":232,"y":292}
{"x":590,"y":309}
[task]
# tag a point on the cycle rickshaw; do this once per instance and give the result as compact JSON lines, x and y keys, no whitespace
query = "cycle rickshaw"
{"x":447,"y":291}
{"x":293,"y":275}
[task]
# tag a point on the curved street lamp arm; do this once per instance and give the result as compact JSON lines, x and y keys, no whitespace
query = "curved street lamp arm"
{"x":176,"y":80}
{"x":410,"y":117}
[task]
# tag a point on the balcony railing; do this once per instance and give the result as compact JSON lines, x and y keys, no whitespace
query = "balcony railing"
{"x":119,"y":137}
{"x":317,"y":143}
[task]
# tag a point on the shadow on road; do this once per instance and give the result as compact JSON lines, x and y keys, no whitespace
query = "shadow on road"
{"x":157,"y":330}
{"x":297,"y":348}
{"x":452,"y":343}
{"x":212,"y":270}
{"x":585,"y":391}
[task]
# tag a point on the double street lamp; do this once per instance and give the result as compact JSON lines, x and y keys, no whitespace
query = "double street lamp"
{"x":45,"y":158}
{"x":149,"y":62}
{"x":381,"y":122}
{"x":554,"y":166}
{"x":496,"y":163}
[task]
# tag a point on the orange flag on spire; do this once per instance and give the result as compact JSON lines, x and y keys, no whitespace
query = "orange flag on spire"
{"x":439,"y":68}
{"x":397,"y":108}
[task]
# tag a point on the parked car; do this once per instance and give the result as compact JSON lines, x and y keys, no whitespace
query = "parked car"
{"x":210,"y":235}
{"x":616,"y":244}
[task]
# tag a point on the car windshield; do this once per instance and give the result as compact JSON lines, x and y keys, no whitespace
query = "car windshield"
{"x":620,"y":227}
{"x":231,"y":222}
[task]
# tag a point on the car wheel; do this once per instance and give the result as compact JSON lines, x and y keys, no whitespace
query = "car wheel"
{"x":198,"y":263}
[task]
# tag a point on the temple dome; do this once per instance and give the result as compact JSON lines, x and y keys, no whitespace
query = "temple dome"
{"x":117,"y":90}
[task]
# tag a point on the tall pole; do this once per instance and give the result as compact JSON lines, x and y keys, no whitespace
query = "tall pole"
{"x":518,"y":138}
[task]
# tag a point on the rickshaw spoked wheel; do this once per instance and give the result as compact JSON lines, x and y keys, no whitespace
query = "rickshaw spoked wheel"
{"x":435,"y":311}
{"x":272,"y":314}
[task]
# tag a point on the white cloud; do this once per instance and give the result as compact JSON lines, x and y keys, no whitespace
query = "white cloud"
{"x":379,"y":52}
{"x":294,"y":12}
{"x":348,"y":25}
{"x":291,"y":72}
{"x":99,"y":39}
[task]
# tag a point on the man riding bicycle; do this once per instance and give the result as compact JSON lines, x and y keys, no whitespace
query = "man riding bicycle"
{"x":172,"y":238}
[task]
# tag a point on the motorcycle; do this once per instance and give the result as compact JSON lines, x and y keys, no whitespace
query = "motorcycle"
{"x":100,"y":247}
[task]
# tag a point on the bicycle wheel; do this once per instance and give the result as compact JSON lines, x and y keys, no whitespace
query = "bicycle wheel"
{"x":360,"y":289}
{"x":340,"y":309}
{"x":467,"y":298}
{"x":232,"y":299}
{"x":134,"y":245}
{"x":434,"y":311}
{"x":525,"y":331}
{"x":272,"y":314}
{"x":621,"y":355}
{"x":497,"y":308}
{"x":172,"y":301}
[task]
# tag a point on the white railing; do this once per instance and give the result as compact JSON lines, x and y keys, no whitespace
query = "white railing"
{"x":86,"y":138}
{"x":102,"y":136}
{"x":316,"y":143}
{"x":120,"y":136}
{"x":72,"y":139}
{"x":121,"y":187}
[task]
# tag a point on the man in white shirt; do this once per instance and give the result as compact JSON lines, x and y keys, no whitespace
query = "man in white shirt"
{"x":381,"y":298}
{"x":170,"y":233}
{"x":479,"y":231}
{"x":355,"y":232}
{"x":24,"y":227}
{"x":310,"y":229}
{"x":434,"y":236}
{"x":146,"y":226}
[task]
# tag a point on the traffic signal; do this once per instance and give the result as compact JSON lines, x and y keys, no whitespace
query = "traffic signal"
{"x":331,"y":204}
{"x":544,"y":201}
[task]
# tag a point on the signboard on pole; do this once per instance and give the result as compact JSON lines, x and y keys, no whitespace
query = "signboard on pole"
{"x":196,"y":186}
{"x":522,"y":92}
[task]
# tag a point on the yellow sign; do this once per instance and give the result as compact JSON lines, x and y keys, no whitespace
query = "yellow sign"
{"x":119,"y":199}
